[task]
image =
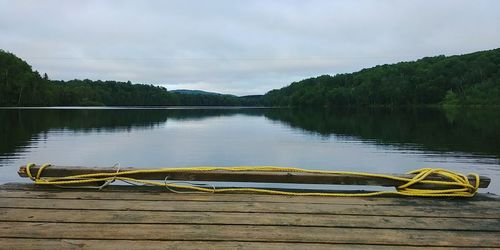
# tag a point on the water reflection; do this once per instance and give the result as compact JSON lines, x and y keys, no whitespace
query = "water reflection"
{"x":432,"y":131}
{"x":451,"y":130}
{"x":376,"y":140}
{"x":20,"y":127}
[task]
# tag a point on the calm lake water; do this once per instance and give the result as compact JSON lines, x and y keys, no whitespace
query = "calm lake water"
{"x":375,"y":140}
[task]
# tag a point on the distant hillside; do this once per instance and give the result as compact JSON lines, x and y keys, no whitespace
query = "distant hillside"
{"x":21,"y":86}
{"x":193,"y":92}
{"x":471,"y":79}
{"x":251,"y":100}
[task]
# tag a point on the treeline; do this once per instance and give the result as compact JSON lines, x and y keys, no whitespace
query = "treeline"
{"x":21,"y":86}
{"x":471,"y":79}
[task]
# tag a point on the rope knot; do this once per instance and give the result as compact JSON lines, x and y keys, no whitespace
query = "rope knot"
{"x":38,"y":177}
{"x":460,"y":183}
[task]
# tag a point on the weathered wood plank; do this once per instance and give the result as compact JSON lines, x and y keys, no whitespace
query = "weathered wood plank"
{"x":122,"y":220}
{"x":240,"y":176}
{"x":251,"y":233}
{"x":16,"y":186}
{"x":40,"y":244}
{"x":253,"y":207}
{"x":224,"y":218}
{"x":168,"y":196}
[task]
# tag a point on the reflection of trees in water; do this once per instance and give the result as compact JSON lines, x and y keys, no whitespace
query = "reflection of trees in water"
{"x":18,"y":127}
{"x":463,"y":130}
{"x":474,"y":131}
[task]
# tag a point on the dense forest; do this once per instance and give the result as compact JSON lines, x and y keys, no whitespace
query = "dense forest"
{"x":21,"y":86}
{"x":471,"y":79}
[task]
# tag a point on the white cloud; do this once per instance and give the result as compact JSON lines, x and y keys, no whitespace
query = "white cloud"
{"x":239,"y":47}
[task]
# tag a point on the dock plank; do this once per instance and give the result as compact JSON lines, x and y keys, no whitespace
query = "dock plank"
{"x":202,"y":197}
{"x":256,"y":207}
{"x":41,"y":218}
{"x":38,"y":244}
{"x":250,"y":233}
{"x":224,"y":218}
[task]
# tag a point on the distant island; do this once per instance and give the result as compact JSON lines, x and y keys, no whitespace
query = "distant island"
{"x":465,"y":80}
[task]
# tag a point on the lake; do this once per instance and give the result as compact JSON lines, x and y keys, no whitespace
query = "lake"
{"x":372,"y":140}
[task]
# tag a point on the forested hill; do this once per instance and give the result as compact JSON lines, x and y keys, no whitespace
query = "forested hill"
{"x":471,"y":79}
{"x":21,"y":86}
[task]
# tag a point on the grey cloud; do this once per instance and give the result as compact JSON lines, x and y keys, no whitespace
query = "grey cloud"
{"x":239,"y":47}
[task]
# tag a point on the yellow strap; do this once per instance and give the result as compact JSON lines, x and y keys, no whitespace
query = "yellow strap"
{"x":463,"y":187}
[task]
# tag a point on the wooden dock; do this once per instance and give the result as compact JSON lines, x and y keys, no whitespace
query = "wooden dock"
{"x":33,"y":217}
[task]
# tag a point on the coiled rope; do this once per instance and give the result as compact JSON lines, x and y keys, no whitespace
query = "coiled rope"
{"x":460,"y":183}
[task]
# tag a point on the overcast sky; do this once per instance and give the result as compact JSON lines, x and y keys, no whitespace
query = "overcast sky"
{"x":237,"y":47}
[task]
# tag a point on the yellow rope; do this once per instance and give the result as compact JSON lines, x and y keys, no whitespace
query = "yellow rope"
{"x":463,"y":187}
